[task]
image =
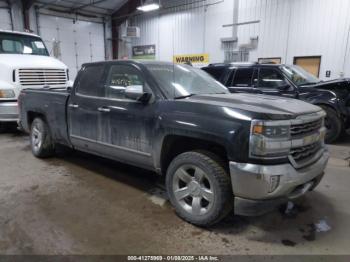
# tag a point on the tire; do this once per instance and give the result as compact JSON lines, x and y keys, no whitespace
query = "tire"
{"x":199,"y":188}
{"x":2,"y":128}
{"x":333,"y":124}
{"x":40,"y":139}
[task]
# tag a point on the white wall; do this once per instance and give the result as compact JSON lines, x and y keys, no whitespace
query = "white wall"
{"x":287,"y":28}
{"x":186,"y":30}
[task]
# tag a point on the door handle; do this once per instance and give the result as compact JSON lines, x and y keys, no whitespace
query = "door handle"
{"x":104,"y":109}
{"x":73,"y":106}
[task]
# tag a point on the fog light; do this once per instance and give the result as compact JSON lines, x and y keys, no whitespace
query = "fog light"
{"x":274,"y":183}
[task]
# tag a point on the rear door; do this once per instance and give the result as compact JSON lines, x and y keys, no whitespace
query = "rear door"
{"x":243,"y":80}
{"x":83,"y":104}
{"x":272,"y":82}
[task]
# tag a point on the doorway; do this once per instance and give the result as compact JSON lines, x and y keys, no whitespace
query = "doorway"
{"x":311,"y":64}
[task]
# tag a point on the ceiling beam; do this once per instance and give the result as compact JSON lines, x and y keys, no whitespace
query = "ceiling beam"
{"x":118,"y":17}
{"x":92,"y":4}
{"x":26,"y":5}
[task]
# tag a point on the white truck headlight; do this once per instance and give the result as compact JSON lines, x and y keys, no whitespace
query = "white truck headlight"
{"x":270,"y":140}
{"x":7,"y":93}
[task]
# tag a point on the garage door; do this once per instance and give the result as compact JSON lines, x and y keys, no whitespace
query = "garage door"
{"x":74,"y":43}
{"x":5,"y":20}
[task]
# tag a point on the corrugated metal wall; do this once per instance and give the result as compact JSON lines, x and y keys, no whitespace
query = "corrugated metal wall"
{"x":287,"y":28}
{"x":5,"y":20}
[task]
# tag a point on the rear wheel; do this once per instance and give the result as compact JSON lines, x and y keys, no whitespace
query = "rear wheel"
{"x":333,"y":124}
{"x":199,"y":188}
{"x":40,"y":139}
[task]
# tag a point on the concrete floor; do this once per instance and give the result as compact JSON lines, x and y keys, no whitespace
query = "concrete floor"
{"x":82,"y":204}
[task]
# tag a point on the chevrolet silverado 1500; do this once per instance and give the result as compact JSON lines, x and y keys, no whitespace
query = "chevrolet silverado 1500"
{"x":218,"y":151}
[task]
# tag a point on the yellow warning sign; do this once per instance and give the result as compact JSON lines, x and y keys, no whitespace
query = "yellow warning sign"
{"x":193,"y":59}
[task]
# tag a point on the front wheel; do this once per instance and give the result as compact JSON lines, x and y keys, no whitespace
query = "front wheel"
{"x":40,"y":139}
{"x":333,"y":124}
{"x":199,"y":188}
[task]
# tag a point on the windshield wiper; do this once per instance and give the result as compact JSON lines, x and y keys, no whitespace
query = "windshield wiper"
{"x":182,"y":97}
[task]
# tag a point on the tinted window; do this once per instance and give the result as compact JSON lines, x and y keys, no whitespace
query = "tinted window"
{"x":215,"y":72}
{"x":243,"y":77}
{"x":230,"y":78}
{"x":119,"y":78}
{"x":90,"y":80}
{"x":271,"y":78}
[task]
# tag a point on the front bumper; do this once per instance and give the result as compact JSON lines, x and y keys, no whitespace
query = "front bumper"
{"x":251,"y":183}
{"x":8,"y":111}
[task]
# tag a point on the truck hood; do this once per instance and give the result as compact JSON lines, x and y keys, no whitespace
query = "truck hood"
{"x":329,"y":85}
{"x":260,"y":104}
{"x":14,"y":61}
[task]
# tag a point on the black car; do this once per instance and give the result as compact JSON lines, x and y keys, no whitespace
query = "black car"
{"x":290,"y":81}
{"x":216,"y":150}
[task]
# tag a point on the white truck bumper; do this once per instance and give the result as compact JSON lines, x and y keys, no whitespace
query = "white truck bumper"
{"x":8,"y":111}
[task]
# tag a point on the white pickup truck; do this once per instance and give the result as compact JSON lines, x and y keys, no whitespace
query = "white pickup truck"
{"x":25,"y":63}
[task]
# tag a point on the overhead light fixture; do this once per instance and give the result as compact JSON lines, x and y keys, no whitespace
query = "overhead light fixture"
{"x":148,"y":7}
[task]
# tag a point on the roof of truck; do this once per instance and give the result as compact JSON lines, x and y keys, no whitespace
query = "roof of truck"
{"x":241,"y":64}
{"x":144,"y":62}
{"x":18,"y":33}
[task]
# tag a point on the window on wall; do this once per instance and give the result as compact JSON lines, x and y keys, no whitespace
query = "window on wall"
{"x":311,"y":64}
{"x":270,"y":60}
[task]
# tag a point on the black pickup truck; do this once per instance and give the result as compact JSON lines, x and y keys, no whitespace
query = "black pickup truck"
{"x":290,"y":81}
{"x":217,"y":150}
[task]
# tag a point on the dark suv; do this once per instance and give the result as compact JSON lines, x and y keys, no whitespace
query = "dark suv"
{"x":290,"y":81}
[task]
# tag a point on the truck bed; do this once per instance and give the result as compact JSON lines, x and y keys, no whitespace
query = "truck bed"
{"x":52,"y":104}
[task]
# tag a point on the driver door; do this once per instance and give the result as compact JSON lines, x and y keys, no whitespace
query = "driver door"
{"x":273,"y":82}
{"x":126,"y":124}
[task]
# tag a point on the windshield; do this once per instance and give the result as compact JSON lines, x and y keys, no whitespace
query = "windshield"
{"x":299,"y":76}
{"x":22,"y":45}
{"x":183,"y":80}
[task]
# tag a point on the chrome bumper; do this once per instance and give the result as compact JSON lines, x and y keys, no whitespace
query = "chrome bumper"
{"x":8,"y":112}
{"x":253,"y":182}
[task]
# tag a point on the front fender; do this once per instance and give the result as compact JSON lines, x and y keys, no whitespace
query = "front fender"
{"x":229,"y":134}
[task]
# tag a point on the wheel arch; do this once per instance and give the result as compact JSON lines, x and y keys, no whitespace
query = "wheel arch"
{"x":175,"y":144}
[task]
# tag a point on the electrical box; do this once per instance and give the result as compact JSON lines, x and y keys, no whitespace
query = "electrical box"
{"x":131,"y":32}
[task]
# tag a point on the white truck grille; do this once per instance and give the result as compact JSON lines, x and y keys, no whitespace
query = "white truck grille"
{"x":42,"y":77}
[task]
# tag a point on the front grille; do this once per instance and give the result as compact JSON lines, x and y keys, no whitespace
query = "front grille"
{"x":298,"y":130}
{"x":42,"y":77}
{"x":304,"y":154}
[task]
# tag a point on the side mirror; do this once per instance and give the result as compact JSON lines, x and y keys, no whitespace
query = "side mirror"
{"x":136,"y":93}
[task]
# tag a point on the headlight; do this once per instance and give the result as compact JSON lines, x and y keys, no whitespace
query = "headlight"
{"x":7,"y":93}
{"x":270,"y":139}
{"x":271,"y":131}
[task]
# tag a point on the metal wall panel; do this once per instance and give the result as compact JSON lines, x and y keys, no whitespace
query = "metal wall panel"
{"x":190,"y":29}
{"x":5,"y":20}
{"x":287,"y":28}
{"x":72,"y":43}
